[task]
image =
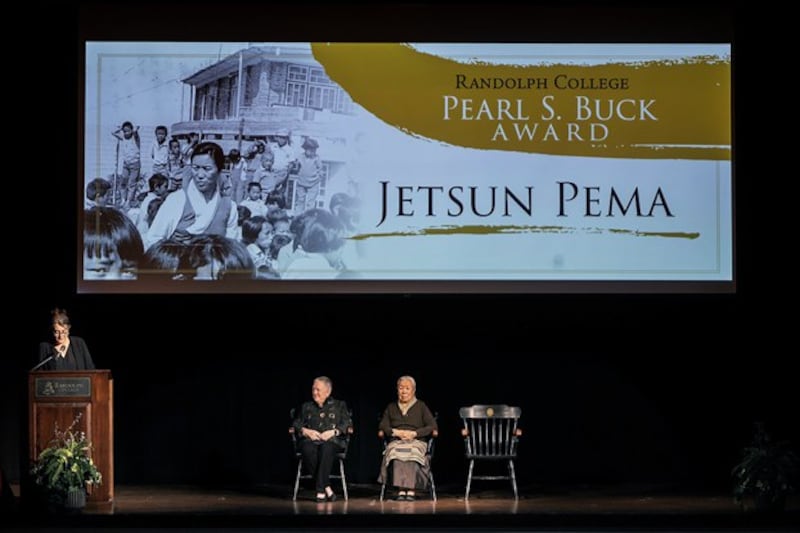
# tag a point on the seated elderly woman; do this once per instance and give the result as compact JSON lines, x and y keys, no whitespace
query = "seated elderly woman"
{"x":321,"y":428}
{"x":407,"y":424}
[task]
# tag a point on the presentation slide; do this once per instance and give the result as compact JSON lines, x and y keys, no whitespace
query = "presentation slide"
{"x":406,"y":167}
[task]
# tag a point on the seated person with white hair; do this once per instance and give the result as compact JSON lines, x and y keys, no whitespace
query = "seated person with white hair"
{"x":407,"y":424}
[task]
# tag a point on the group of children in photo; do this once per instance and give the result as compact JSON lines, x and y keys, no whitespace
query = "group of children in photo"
{"x":208,"y":215}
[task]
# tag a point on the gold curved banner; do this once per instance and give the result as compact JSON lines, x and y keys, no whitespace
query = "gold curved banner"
{"x":649,"y":109}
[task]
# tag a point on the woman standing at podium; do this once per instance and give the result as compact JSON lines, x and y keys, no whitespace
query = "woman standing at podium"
{"x":65,"y":352}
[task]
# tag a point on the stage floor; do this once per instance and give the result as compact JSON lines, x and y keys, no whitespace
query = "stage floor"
{"x":267,"y":507}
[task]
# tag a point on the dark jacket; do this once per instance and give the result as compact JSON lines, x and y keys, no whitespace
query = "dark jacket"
{"x":77,"y":358}
{"x":332,"y":415}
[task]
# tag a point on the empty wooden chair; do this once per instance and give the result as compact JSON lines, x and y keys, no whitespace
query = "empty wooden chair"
{"x":491,"y":433}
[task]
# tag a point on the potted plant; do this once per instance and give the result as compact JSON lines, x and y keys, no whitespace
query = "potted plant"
{"x":65,"y":470}
{"x":767,"y":472}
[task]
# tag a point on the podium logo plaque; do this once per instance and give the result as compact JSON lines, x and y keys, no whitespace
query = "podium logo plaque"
{"x":71,"y":387}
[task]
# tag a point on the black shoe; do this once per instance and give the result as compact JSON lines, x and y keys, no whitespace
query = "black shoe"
{"x":410,"y":497}
{"x":400,"y":498}
{"x":320,"y":499}
{"x":331,"y":497}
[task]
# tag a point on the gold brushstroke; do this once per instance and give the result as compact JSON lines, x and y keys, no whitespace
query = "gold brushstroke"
{"x":406,"y":88}
{"x":493,"y":230}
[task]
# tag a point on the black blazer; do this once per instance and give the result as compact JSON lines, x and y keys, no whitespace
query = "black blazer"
{"x":77,"y":351}
{"x":333,"y":414}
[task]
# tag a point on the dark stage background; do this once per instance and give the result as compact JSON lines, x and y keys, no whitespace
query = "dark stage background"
{"x":613,"y":390}
{"x":652,"y":389}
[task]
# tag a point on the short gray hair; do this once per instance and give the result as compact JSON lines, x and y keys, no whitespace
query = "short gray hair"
{"x":326,"y":380}
{"x":408,"y":378}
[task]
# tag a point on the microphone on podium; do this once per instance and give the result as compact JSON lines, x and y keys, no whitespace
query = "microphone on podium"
{"x":42,"y":363}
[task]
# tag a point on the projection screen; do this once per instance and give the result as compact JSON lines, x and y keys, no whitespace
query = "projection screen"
{"x":406,"y":167}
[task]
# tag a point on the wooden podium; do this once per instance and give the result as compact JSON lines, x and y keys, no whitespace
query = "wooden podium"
{"x":58,"y":397}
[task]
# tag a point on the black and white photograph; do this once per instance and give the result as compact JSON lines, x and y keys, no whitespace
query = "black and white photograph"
{"x":211,"y":152}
